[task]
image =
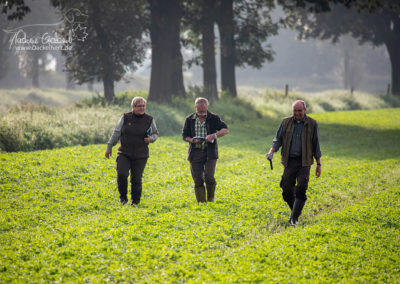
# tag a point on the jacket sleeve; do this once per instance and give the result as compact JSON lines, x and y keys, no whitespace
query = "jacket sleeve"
{"x":315,"y":143}
{"x":220,"y":123}
{"x":186,"y":129}
{"x":154,"y":131}
{"x":277,"y":142}
{"x":116,"y":135}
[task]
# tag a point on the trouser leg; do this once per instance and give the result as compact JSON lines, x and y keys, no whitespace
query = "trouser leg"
{"x":303,"y":176}
{"x":137,"y":169}
{"x":209,"y":172}
{"x":288,"y":183}
{"x":197,"y":170}
{"x":123,"y":167}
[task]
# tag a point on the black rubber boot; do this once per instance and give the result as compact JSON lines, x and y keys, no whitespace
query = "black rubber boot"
{"x":122,"y":182}
{"x":296,"y":212}
{"x":136,"y":193}
{"x":210,"y":192}
{"x":200,"y":194}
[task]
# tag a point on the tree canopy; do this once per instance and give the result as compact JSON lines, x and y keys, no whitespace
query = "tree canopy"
{"x":377,"y":22}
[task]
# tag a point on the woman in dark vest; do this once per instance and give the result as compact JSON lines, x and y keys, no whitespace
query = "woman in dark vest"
{"x":135,"y":130}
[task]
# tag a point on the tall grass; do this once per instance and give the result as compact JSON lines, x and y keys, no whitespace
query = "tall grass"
{"x":39,"y":121}
{"x":274,"y":103}
{"x":44,"y":96}
{"x":28,"y":127}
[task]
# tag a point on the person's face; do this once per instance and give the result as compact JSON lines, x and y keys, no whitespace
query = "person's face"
{"x":299,"y":111}
{"x":139,"y":108}
{"x":201,"y":109}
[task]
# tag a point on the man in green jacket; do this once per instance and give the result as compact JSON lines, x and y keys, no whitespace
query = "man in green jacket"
{"x":299,"y":138}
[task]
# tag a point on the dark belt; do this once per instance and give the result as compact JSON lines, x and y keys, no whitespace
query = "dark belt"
{"x":295,"y":158}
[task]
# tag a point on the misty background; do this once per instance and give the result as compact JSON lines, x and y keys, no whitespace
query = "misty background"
{"x":308,"y":66}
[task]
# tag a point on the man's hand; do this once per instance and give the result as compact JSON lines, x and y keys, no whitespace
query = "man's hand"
{"x":147,"y":139}
{"x":210,"y":138}
{"x":270,"y":156}
{"x":318,"y":171}
{"x":108,"y":154}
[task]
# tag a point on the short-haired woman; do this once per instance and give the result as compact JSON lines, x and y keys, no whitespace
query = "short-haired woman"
{"x":135,"y":130}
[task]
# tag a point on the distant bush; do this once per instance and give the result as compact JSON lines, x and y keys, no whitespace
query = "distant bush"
{"x":121,"y":99}
{"x":327,"y":106}
{"x":91,"y":121}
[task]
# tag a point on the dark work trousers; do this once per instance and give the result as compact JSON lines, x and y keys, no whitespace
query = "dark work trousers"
{"x":202,"y":170}
{"x":124,"y":165}
{"x":292,"y":173}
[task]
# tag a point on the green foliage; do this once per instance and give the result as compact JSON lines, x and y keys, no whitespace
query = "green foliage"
{"x":273,"y":103}
{"x":31,"y":126}
{"x":28,"y":127}
{"x":113,"y":38}
{"x":61,"y":221}
{"x":14,"y":98}
{"x":122,"y":99}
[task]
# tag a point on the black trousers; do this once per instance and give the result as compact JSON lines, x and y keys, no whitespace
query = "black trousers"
{"x":136,"y":167}
{"x":292,"y":173}
{"x":202,"y":170}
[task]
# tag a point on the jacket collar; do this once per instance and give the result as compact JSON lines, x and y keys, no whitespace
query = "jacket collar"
{"x":305,"y":119}
{"x":194,"y":115}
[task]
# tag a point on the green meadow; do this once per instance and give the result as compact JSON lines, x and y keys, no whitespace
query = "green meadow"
{"x":61,"y":220}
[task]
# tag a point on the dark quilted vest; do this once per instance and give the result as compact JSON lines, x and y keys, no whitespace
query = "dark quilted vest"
{"x":132,"y":136}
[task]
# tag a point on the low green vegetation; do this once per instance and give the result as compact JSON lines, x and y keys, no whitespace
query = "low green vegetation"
{"x":39,"y":122}
{"x":274,"y":103}
{"x":61,"y":221}
{"x":14,"y":98}
{"x":33,"y":127}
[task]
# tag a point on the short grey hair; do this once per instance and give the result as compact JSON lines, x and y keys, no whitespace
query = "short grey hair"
{"x":135,"y":100}
{"x":201,"y":100}
{"x":300,"y":101}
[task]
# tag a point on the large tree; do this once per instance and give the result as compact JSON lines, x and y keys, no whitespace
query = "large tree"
{"x":166,"y":57}
{"x":3,"y":47}
{"x":377,"y":22}
{"x":199,"y":21}
{"x":244,"y":27}
{"x":108,"y":43}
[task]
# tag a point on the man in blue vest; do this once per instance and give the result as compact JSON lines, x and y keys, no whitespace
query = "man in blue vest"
{"x":299,"y":138}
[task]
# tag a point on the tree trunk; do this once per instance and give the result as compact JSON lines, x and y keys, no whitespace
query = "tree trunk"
{"x":105,"y":58}
{"x":227,"y":43}
{"x":346,"y":69}
{"x":393,"y":47}
{"x":166,"y":68}
{"x":208,"y":43}
{"x":35,"y":69}
{"x":108,"y":84}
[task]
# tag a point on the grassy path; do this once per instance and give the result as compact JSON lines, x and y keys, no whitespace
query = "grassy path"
{"x":60,"y":220}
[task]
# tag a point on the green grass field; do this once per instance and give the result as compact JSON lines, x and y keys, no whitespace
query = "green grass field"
{"x":61,"y":220}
